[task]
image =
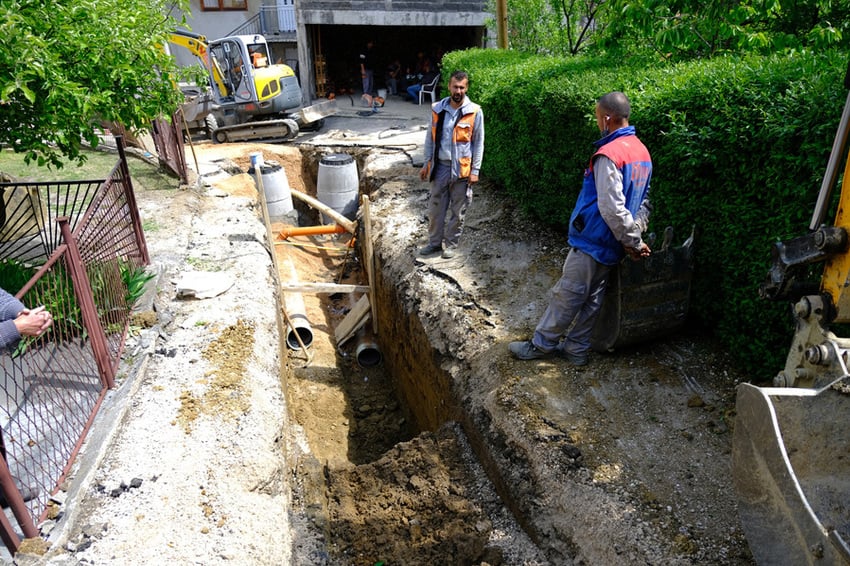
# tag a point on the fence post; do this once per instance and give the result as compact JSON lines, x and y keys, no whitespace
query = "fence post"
{"x":19,"y":508}
{"x":127,"y":184}
{"x":86,"y":299}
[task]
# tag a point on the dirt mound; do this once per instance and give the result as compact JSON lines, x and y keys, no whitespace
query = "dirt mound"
{"x":412,"y":506}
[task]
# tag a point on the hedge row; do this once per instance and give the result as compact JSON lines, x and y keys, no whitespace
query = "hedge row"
{"x":740,"y":146}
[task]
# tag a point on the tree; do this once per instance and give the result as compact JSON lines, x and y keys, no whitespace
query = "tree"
{"x":699,"y":28}
{"x":553,"y":27}
{"x":66,"y":66}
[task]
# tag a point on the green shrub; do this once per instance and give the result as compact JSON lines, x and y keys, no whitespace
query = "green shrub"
{"x":135,"y":279}
{"x":739,"y":147}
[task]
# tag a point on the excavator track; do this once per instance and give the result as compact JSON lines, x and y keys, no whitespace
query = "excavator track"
{"x":271,"y":131}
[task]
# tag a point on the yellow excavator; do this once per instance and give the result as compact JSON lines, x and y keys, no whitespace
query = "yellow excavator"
{"x":791,"y":442}
{"x":249,"y":97}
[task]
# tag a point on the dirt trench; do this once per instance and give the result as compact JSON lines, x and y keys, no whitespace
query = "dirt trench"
{"x":384,"y":473}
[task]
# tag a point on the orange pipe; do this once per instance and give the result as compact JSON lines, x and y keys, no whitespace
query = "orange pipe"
{"x":289,"y":230}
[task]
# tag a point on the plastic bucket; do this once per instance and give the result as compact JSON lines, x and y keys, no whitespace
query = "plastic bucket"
{"x":337,"y":185}
{"x":275,"y":189}
{"x":382,"y":92}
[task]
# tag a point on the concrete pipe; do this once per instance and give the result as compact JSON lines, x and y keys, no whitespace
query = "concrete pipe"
{"x":367,"y":352}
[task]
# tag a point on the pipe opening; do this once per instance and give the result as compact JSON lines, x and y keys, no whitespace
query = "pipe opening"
{"x":303,"y":332}
{"x":368,"y":355}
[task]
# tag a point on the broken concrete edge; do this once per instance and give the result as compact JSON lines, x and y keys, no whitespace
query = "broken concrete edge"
{"x":105,"y":427}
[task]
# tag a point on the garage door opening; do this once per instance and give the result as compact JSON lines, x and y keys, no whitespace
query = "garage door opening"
{"x":341,"y":45}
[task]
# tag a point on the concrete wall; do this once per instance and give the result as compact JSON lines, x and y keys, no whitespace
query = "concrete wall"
{"x":393,"y":12}
{"x":213,"y":24}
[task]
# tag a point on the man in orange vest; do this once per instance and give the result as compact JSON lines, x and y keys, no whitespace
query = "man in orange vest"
{"x":454,"y":149}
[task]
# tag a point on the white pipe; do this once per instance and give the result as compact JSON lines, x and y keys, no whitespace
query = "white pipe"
{"x":294,"y":305}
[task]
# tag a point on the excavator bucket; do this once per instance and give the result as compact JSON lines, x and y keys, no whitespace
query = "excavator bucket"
{"x":648,"y":298}
{"x":791,"y":470}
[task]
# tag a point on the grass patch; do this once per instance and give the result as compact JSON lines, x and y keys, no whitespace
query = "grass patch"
{"x":151,"y":225}
{"x":98,"y":165}
{"x":203,"y":264}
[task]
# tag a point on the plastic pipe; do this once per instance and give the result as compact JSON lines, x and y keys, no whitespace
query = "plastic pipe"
{"x":326,"y":210}
{"x":288,"y":230}
{"x":294,"y":305}
{"x":367,"y":352}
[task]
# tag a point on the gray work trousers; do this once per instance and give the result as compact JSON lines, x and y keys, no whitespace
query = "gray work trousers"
{"x":573,"y":305}
{"x":446,"y":207}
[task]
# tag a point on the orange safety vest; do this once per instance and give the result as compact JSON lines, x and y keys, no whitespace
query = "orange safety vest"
{"x":462,"y":136}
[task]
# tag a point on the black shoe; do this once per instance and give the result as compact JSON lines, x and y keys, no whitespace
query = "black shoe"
{"x":575,"y":359}
{"x":430,"y":250}
{"x":527,"y":351}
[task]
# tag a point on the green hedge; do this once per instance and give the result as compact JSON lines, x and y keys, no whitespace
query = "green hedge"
{"x":740,"y":146}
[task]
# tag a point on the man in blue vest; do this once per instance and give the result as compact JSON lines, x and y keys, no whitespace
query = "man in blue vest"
{"x":606,"y":224}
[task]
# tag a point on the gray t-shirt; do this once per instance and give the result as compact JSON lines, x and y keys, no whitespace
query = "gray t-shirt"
{"x":446,"y":135}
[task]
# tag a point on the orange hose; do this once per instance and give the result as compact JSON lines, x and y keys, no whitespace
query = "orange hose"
{"x":288,"y":230}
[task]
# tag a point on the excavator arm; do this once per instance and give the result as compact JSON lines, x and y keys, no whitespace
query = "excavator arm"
{"x":791,"y":441}
{"x":199,"y":47}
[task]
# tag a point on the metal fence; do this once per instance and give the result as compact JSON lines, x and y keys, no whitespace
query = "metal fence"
{"x":168,"y":140}
{"x":83,"y":238}
{"x":271,"y":21}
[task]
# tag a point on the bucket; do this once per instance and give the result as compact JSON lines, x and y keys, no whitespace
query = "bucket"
{"x":382,"y":92}
{"x":337,"y":185}
{"x":275,"y":189}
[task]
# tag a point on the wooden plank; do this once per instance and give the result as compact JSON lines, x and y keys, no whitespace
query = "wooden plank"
{"x":369,"y":256}
{"x":351,"y":320}
{"x":351,"y":333}
{"x":323,"y":288}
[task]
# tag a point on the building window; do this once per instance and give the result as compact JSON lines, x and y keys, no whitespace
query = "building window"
{"x":219,"y":5}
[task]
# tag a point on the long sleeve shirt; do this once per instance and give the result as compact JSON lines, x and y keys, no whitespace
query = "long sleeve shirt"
{"x":10,"y":308}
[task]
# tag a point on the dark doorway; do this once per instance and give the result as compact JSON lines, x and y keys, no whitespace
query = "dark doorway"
{"x":341,"y":45}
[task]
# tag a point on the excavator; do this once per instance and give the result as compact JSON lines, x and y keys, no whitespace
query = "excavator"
{"x":249,"y":97}
{"x":791,"y":441}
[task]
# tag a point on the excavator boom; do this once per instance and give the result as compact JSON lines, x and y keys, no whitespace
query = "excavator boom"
{"x":790,"y":463}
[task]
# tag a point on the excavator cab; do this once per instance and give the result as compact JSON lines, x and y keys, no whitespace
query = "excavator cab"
{"x":241,"y":76}
{"x":791,"y":445}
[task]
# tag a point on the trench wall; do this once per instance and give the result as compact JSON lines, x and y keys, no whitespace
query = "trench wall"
{"x":422,"y":386}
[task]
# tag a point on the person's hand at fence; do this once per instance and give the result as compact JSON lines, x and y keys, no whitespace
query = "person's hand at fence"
{"x":33,"y":322}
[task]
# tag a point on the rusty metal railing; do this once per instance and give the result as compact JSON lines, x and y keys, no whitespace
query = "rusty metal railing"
{"x":168,"y":140}
{"x":81,"y":238}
